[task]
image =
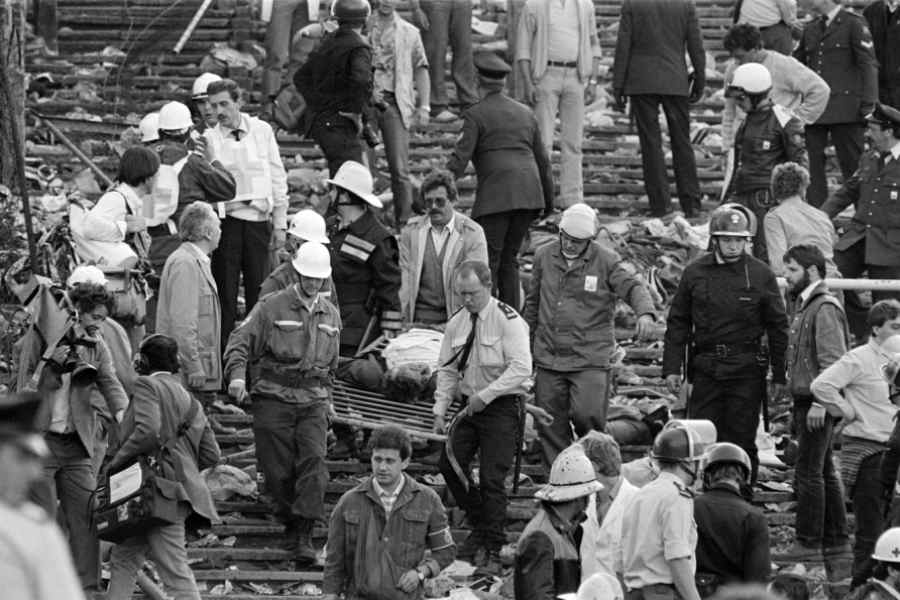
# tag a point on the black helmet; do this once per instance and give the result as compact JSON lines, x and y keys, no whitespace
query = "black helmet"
{"x":675,"y":445}
{"x":351,"y":11}
{"x":729,"y":222}
{"x":726,"y":452}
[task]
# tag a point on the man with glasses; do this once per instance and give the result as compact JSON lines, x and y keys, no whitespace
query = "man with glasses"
{"x":432,"y":246}
{"x":569,"y":309}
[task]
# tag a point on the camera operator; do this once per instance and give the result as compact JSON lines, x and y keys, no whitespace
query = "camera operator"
{"x":159,"y":407}
{"x":67,"y":374}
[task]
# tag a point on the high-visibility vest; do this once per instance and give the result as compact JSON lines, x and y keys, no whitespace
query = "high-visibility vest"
{"x":163,"y":201}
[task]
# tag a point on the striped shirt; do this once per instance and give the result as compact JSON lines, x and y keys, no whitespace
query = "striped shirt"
{"x":388,"y":498}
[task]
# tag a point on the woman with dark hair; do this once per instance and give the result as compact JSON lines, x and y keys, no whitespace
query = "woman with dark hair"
{"x":161,"y":413}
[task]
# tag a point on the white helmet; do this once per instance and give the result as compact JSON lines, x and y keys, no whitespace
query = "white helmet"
{"x":174,"y":116}
{"x":86,"y":274}
{"x":571,"y":476}
{"x":599,"y":586}
{"x":579,"y":221}
{"x":751,"y":78}
{"x":308,"y":225}
{"x":198,"y":91}
{"x":887,"y":548}
{"x":313,"y":260}
{"x":149,"y":127}
{"x":355,"y":177}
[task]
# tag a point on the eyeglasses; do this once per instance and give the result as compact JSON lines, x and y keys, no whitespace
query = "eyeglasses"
{"x":437,"y":202}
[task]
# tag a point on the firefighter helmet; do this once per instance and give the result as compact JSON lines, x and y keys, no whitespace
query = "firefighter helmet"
{"x":571,"y":476}
{"x":198,"y":90}
{"x":313,"y":260}
{"x":149,"y":128}
{"x":308,"y":225}
{"x":174,"y":116}
{"x":751,"y":79}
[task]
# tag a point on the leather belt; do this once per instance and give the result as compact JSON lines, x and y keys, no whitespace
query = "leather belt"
{"x":559,"y":63}
{"x":723,"y":350}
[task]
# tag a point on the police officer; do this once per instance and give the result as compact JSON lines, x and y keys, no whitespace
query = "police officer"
{"x":732,"y":534}
{"x":336,"y":83}
{"x":366,"y":260}
{"x":515,"y":182}
{"x":768,"y":136}
{"x":288,"y":345}
{"x":485,"y":360}
{"x":870,"y":242}
{"x":306,"y":226}
{"x":658,"y":530}
{"x":725,"y":302}
{"x":838,"y":46}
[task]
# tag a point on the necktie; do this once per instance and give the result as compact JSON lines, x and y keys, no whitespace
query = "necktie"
{"x":237,"y":134}
{"x":467,"y":347}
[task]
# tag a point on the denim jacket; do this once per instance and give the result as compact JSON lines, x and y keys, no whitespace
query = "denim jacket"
{"x":817,"y":338}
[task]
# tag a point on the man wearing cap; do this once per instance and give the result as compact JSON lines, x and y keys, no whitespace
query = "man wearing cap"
{"x":254,"y":222}
{"x":366,"y":265}
{"x":547,"y":562}
{"x":837,"y":45}
{"x":288,"y":346}
{"x":725,"y":302}
{"x":768,"y":136}
{"x":558,"y":55}
{"x":871,"y":242}
{"x":306,"y":226}
{"x":515,"y":182}
{"x":569,"y":309}
{"x":35,"y":563}
{"x":205,"y":116}
{"x":432,"y":246}
{"x":659,"y":535}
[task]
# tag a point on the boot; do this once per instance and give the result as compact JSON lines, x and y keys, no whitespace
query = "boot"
{"x":469,"y":549}
{"x":305,"y":552}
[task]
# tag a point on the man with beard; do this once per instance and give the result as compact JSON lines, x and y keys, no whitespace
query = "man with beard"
{"x":818,"y":337}
{"x":725,"y":303}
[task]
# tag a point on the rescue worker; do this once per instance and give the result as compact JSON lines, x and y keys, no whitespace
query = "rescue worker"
{"x":570,"y":305}
{"x":365,"y":258}
{"x":205,"y":116}
{"x":658,"y":532}
{"x":885,"y":585}
{"x":306,"y":226}
{"x":35,"y":563}
{"x":336,"y":83}
{"x":870,"y":242}
{"x":768,"y":136}
{"x":490,"y":377}
{"x":732,"y":534}
{"x":725,"y":302}
{"x":149,"y":128}
{"x":288,"y":346}
{"x":547,"y":562}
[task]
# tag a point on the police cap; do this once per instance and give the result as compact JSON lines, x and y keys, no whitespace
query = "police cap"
{"x":885,"y":116}
{"x":490,"y":65}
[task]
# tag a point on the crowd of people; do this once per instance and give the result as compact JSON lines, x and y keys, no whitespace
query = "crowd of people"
{"x":132,"y":356}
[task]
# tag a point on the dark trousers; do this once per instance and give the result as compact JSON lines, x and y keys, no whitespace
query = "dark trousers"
{"x":492,"y":435}
{"x":822,"y":522}
{"x":576,"y":399}
{"x":868,"y":508}
{"x":645,"y":111}
{"x":67,"y":485}
{"x":339,"y":140}
{"x":777,"y":37}
{"x":848,"y":145}
{"x":760,"y":202}
{"x":852,"y":264}
{"x":504,"y":233}
{"x":290,"y":450}
{"x":733,"y":407}
{"x":243,"y":250}
{"x":450,"y":21}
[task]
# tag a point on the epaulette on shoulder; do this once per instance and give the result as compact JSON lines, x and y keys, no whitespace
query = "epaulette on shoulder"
{"x":508,"y":310}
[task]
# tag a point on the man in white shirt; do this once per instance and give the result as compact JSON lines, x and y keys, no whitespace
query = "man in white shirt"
{"x":254,"y":223}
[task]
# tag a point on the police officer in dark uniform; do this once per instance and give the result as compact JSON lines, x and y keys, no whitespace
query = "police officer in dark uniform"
{"x":838,"y":46}
{"x":871,"y":242}
{"x":336,"y":83}
{"x":767,"y":137}
{"x":725,"y":302}
{"x":515,"y":182}
{"x":732,"y":534}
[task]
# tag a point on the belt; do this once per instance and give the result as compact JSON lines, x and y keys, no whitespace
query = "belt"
{"x":772,"y":25}
{"x":564,"y":64}
{"x":723,"y":350}
{"x":62,"y":436}
{"x":294,"y":380}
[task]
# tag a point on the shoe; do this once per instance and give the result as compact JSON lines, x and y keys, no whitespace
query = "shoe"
{"x":469,"y":549}
{"x":800,"y":553}
{"x":218,"y":428}
{"x":838,"y":562}
{"x":304,"y":552}
{"x":445,"y":116}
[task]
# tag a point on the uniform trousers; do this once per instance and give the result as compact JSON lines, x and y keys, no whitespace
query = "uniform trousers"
{"x":243,"y":250}
{"x":288,"y":17}
{"x":338,"y":139}
{"x":491,"y":434}
{"x":576,"y":399}
{"x":504,"y":233}
{"x":733,"y":406}
{"x":67,"y":485}
{"x":852,"y":264}
{"x":290,"y":450}
{"x":848,"y":145}
{"x":450,"y":21}
{"x":561,"y":91}
{"x":645,"y":110}
{"x":167,"y":546}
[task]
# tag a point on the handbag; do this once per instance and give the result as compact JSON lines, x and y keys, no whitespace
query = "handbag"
{"x":138,"y":497}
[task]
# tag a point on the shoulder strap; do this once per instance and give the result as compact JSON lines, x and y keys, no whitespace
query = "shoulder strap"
{"x":125,"y":200}
{"x":185,"y":425}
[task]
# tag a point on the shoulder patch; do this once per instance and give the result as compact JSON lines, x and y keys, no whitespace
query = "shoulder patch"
{"x":508,"y":310}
